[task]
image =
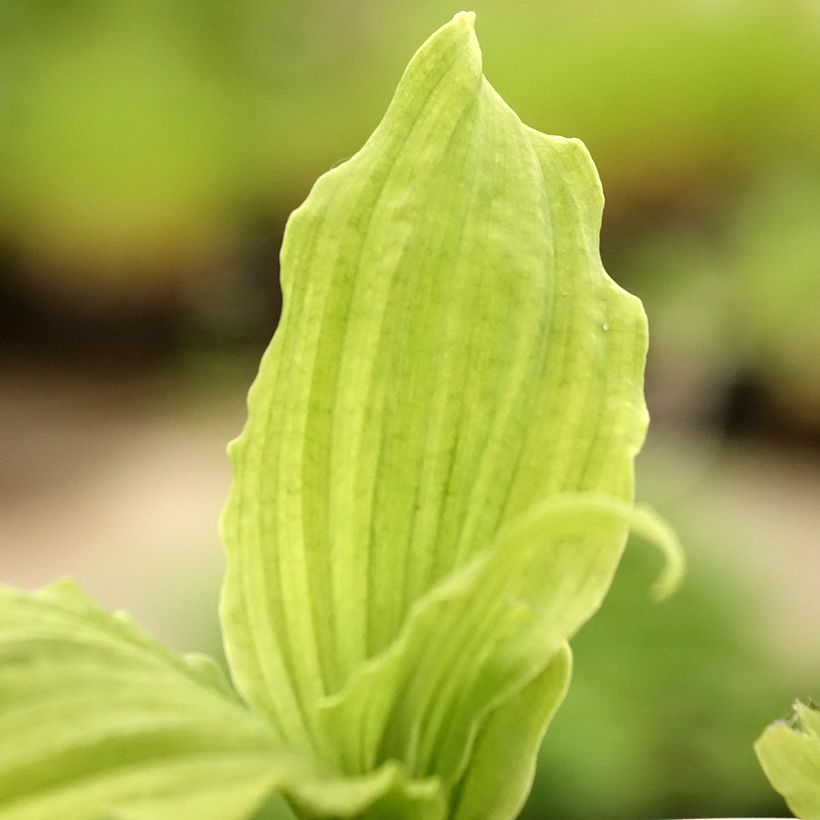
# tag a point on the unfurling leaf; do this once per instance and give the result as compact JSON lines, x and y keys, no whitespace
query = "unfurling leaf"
{"x":790,"y":757}
{"x":431,"y":495}
{"x":434,"y":485}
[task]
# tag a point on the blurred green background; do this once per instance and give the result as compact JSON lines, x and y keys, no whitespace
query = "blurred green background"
{"x":150,"y":154}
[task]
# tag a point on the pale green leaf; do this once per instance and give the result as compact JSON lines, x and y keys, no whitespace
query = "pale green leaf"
{"x":502,"y":765}
{"x":98,"y":720}
{"x":451,"y":352}
{"x":478,"y":639}
{"x":95,"y":716}
{"x":790,"y":757}
{"x":434,"y":484}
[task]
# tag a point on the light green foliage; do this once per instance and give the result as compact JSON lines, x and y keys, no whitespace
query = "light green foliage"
{"x":431,"y":496}
{"x":94,"y":716}
{"x":790,"y":756}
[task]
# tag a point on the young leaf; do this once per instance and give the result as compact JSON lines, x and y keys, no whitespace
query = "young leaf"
{"x":478,"y":638}
{"x":790,"y":757}
{"x":434,"y":484}
{"x":513,"y":734}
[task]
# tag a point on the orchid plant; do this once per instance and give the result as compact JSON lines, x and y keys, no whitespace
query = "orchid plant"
{"x":431,"y":495}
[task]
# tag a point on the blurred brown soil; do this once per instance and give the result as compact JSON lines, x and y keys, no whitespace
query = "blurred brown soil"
{"x":118,"y":481}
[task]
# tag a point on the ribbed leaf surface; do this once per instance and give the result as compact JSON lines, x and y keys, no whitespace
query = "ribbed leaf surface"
{"x":434,"y":483}
{"x":450,"y":352}
{"x":98,"y":720}
{"x":95,"y":716}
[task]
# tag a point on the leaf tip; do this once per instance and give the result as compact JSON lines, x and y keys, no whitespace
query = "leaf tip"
{"x":465,"y":18}
{"x":455,"y":37}
{"x":650,"y":526}
{"x":671,"y":576}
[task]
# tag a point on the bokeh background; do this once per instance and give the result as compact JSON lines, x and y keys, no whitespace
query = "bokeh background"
{"x":150,"y":154}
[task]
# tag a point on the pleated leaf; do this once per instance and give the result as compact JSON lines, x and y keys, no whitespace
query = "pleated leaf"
{"x":95,"y":717}
{"x":790,"y":757}
{"x":434,"y":483}
{"x":480,"y":637}
{"x":99,"y":721}
{"x":450,"y":352}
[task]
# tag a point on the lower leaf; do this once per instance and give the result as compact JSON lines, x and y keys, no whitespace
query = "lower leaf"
{"x":97,"y":720}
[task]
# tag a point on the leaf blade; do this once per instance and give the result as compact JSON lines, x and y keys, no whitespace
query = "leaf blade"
{"x":442,"y":288}
{"x":97,"y":719}
{"x":472,"y":644}
{"x":790,"y":757}
{"x":451,"y":355}
{"x":512,"y":734}
{"x":93,"y":713}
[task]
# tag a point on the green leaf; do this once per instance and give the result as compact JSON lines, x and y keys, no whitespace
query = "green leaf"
{"x":98,"y":720}
{"x":434,"y":484}
{"x":478,"y":638}
{"x":431,"y":496}
{"x":790,"y":757}
{"x":95,"y":717}
{"x":512,"y":735}
{"x":450,"y":352}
